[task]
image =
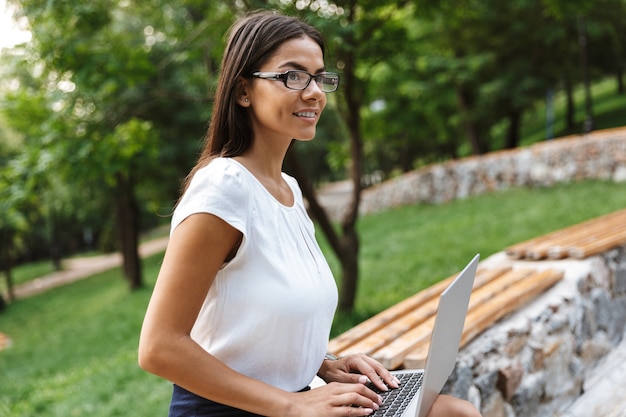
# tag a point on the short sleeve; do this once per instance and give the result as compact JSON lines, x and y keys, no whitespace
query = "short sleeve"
{"x":219,"y":189}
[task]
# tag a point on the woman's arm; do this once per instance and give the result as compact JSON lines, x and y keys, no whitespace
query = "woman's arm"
{"x":197,"y":249}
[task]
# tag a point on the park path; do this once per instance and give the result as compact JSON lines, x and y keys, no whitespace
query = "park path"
{"x":79,"y":268}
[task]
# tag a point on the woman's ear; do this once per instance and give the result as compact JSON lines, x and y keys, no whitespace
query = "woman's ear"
{"x":242,"y":92}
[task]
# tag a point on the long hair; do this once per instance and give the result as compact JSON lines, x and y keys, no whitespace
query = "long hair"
{"x":252,"y":39}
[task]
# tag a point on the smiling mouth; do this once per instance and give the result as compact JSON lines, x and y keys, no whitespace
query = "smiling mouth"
{"x":308,"y":114}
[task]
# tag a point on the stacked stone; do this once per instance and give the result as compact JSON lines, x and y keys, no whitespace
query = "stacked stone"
{"x":537,"y":362}
{"x":598,"y":155}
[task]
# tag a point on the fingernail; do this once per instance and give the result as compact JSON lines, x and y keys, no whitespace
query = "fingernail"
{"x":376,"y":406}
{"x":362,"y":379}
{"x":380,"y":399}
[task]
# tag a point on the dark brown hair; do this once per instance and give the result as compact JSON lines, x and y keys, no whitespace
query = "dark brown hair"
{"x":251,"y":41}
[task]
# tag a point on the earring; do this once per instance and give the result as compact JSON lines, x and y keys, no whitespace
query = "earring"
{"x":245,"y":100}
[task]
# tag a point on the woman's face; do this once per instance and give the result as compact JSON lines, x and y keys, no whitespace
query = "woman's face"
{"x":280,"y":113}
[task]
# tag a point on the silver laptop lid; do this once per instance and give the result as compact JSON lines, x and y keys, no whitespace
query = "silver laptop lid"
{"x":446,"y":336}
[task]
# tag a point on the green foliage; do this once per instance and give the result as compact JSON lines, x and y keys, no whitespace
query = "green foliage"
{"x":123,"y":89}
{"x":119,"y":151}
{"x":109,"y":94}
{"x":462,"y":70}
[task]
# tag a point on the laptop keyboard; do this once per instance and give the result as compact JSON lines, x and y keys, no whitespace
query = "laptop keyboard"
{"x":395,"y":401}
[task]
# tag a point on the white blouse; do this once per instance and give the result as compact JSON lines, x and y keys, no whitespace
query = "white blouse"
{"x":269,"y":311}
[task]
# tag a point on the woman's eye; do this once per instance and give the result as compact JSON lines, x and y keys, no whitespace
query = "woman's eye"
{"x":293,"y":76}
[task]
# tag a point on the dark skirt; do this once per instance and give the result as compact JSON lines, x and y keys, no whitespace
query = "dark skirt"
{"x":188,"y":404}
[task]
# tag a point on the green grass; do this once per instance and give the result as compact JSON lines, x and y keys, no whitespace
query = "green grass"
{"x":29,"y":271}
{"x":74,"y":347}
{"x":74,"y":352}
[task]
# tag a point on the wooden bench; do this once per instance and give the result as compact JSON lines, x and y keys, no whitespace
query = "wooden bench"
{"x":578,"y":241}
{"x":399,"y":336}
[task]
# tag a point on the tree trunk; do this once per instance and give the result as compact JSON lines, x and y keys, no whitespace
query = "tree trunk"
{"x":584,"y":64}
{"x":350,"y":239}
{"x":570,"y":112}
{"x":9,"y":282}
{"x":127,"y":220}
{"x":513,"y":133}
{"x":6,"y":264}
{"x":471,"y":130}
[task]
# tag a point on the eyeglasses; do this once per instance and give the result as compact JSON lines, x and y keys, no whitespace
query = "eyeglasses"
{"x":299,"y":80}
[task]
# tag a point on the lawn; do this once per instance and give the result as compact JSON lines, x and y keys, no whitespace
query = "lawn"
{"x":74,"y":352}
{"x":74,"y":347}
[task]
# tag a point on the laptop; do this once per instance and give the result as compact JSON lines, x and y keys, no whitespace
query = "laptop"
{"x":420,"y":387}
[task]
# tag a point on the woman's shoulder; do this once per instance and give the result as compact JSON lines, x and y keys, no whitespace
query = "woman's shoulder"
{"x":221,"y":173}
{"x":218,"y":188}
{"x":220,"y":178}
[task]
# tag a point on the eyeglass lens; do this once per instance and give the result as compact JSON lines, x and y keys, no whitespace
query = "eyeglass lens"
{"x":299,"y":80}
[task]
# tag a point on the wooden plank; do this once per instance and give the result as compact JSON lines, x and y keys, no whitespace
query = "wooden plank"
{"x":486,"y":275}
{"x":342,"y":342}
{"x":541,"y":251}
{"x":417,"y":357}
{"x":496,"y":287}
{"x":602,"y":244}
{"x":604,"y":225}
{"x":395,"y":329}
{"x":398,"y":344}
{"x":392,"y":356}
{"x":536,"y":248}
{"x":598,"y":239}
{"x":484,"y":315}
{"x":359,"y":338}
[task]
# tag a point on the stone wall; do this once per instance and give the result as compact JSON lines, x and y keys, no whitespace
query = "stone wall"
{"x":536,"y":361}
{"x":600,"y":154}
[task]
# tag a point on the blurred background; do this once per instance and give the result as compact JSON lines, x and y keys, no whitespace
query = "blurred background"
{"x":104,"y":103}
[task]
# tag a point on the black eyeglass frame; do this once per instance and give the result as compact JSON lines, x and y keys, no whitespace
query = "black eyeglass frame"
{"x":284,"y":77}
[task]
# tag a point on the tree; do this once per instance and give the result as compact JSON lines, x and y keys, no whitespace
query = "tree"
{"x":12,"y":225}
{"x":112,"y":73}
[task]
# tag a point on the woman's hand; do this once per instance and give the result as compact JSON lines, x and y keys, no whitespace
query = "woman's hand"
{"x":334,"y":400}
{"x":358,"y":368}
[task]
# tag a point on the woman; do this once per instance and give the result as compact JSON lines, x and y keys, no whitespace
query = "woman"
{"x":241,"y":312}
